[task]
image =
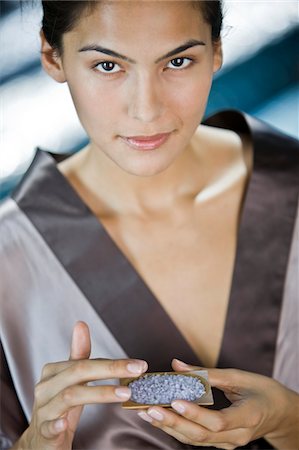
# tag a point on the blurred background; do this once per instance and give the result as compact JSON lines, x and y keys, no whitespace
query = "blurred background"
{"x":260,"y":76}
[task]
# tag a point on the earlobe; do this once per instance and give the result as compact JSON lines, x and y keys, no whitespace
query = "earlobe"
{"x":218,"y":56}
{"x":51,"y":61}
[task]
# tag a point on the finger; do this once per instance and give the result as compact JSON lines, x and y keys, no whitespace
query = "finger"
{"x":207,"y":418}
{"x":84,"y":371}
{"x":80,"y":349}
{"x":186,"y":440}
{"x":51,"y":369}
{"x":236,"y":380}
{"x":180,"y":366}
{"x":197,"y":433}
{"x":222,"y":378}
{"x":80,"y":395}
{"x":239,"y":415}
{"x":81,"y":342}
{"x":52,"y":428}
{"x":180,"y":437}
{"x":231,"y":381}
{"x":167,"y":418}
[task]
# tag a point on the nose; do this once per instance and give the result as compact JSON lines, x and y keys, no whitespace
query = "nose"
{"x":145,"y":99}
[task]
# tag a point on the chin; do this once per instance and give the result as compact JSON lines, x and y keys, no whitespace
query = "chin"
{"x":145,"y":168}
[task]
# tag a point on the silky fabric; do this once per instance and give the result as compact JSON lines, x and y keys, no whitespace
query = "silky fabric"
{"x":59,"y":265}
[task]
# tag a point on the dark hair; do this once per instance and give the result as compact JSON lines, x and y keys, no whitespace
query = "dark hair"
{"x":60,"y":17}
{"x":213,"y":14}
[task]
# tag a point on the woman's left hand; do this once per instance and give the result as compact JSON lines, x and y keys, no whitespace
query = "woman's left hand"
{"x":261,"y":407}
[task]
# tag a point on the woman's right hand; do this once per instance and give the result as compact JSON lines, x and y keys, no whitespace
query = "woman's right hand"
{"x":63,"y":391}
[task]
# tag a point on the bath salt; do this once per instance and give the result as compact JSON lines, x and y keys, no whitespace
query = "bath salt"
{"x":164,"y":388}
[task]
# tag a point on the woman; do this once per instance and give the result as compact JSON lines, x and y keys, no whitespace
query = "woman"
{"x":161,"y":235}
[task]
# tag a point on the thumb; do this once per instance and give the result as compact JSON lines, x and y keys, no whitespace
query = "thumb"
{"x":81,"y":343}
{"x":221,"y":378}
{"x":180,"y":366}
{"x":231,"y":380}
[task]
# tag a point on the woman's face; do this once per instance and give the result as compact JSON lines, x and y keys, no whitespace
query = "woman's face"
{"x":154,"y":87}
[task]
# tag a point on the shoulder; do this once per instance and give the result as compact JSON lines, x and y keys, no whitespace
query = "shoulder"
{"x":217,"y":140}
{"x":261,"y":132}
{"x":271,"y":147}
{"x":223,"y":147}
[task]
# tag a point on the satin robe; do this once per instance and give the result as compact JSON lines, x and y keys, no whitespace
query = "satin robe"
{"x":59,"y":265}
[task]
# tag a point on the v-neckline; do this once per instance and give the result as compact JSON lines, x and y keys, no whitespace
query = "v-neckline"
{"x":141,"y":278}
{"x":126,"y":304}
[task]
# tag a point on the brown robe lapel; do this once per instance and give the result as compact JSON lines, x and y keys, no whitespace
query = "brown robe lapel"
{"x":264,"y":241}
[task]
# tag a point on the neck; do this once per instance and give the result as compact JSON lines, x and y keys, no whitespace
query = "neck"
{"x":106,"y":187}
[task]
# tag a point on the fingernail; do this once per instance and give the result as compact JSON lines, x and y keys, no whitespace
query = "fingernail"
{"x":145,"y":417}
{"x":178,"y":407}
{"x":181,"y":362}
{"x":123,"y":392}
{"x":137,"y":367}
{"x":155,"y":414}
{"x":188,"y":366}
{"x":59,"y":425}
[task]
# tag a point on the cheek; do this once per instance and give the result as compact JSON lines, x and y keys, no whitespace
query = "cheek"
{"x":96,"y":107}
{"x":193,"y":93}
{"x":191,"y":102}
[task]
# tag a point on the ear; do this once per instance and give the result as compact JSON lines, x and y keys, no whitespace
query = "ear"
{"x":51,"y":61}
{"x":218,"y":55}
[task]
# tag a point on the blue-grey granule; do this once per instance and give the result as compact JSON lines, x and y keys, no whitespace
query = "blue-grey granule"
{"x":163,"y":389}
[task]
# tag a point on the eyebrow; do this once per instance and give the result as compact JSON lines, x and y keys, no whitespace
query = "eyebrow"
{"x":107,"y":51}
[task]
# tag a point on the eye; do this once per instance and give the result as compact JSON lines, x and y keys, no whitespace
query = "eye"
{"x":107,"y":67}
{"x":180,"y":63}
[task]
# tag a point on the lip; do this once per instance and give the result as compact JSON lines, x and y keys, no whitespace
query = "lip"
{"x":146,"y":142}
